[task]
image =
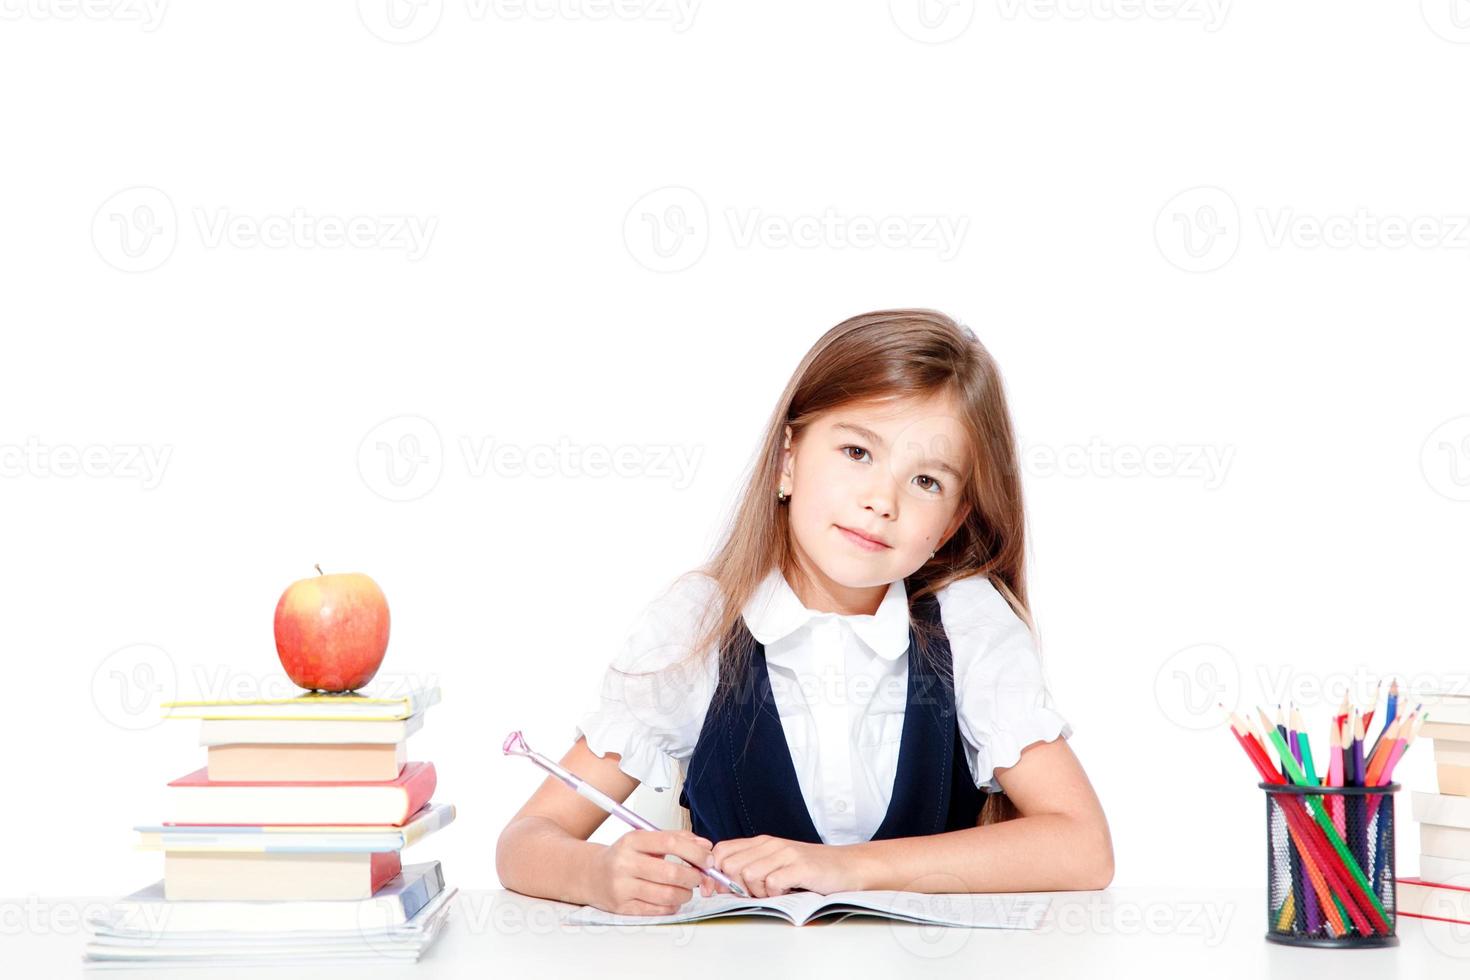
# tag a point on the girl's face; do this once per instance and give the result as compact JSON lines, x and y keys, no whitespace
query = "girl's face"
{"x":889,"y":471}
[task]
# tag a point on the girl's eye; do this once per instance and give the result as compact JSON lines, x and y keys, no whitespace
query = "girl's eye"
{"x":937,"y":487}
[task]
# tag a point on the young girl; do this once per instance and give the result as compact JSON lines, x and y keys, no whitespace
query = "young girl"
{"x":848,"y":694}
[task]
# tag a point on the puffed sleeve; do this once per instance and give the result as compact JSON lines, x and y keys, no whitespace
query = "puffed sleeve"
{"x":1000,"y":691}
{"x":653,"y":697}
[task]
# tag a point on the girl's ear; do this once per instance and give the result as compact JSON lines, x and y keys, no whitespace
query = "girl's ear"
{"x":786,"y":459}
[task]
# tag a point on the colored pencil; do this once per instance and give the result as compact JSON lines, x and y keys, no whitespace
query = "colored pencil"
{"x":1328,"y":903}
{"x":1348,"y":860}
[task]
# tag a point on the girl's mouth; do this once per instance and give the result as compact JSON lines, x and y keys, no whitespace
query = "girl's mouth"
{"x":861,"y":541}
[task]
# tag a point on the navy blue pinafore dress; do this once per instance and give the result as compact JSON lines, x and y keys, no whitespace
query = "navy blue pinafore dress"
{"x":742,"y":783}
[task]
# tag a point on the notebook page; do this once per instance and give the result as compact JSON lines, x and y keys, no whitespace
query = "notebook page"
{"x":975,"y":911}
{"x":796,"y":905}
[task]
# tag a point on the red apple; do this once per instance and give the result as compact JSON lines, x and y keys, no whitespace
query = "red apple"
{"x":332,"y":631}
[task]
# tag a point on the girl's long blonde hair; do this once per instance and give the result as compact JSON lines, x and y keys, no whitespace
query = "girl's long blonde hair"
{"x":885,"y":354}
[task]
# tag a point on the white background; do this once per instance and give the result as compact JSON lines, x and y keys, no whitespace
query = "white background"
{"x":1137,"y":190}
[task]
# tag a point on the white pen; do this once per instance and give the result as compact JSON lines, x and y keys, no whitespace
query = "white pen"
{"x":515,"y":744}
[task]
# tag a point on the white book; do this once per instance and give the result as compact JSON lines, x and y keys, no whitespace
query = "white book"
{"x":299,"y":731}
{"x":1441,"y":809}
{"x":1447,"y":708}
{"x":146,"y":912}
{"x":1448,"y":842}
{"x":1444,"y":871}
{"x":973,"y":911}
{"x":287,"y":837}
{"x":234,"y":949}
{"x":1426,"y":900}
{"x":386,"y":704}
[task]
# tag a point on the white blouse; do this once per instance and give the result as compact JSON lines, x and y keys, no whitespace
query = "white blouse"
{"x":840,"y":685}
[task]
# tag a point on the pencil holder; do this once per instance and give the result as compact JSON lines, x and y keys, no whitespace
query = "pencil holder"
{"x":1330,"y":865}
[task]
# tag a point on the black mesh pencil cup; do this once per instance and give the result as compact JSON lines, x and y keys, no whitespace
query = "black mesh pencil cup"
{"x":1330,"y":865}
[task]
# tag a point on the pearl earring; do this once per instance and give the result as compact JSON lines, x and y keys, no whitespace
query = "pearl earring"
{"x":782,"y":495}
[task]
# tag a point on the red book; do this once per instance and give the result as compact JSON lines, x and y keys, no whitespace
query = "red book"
{"x":195,"y":799}
{"x":1422,"y":899}
{"x":276,"y":876}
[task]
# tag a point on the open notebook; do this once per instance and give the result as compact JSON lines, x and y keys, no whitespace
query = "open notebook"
{"x":993,"y":911}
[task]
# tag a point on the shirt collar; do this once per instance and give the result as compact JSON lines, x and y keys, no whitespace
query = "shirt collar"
{"x":774,"y":612}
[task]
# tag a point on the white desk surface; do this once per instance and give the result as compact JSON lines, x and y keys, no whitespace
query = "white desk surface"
{"x":1121,"y":931}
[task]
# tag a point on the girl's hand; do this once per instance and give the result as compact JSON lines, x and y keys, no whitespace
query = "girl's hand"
{"x":632,"y":877}
{"x":768,"y":866}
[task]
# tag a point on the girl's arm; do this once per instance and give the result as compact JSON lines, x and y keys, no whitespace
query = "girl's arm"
{"x":544,"y":850}
{"x":1059,"y":843}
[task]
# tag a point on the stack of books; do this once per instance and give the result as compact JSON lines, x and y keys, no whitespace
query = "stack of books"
{"x":1442,"y":889}
{"x":286,"y":846}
